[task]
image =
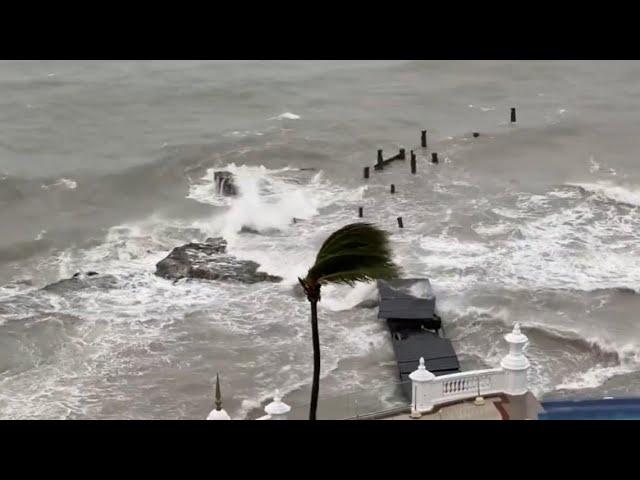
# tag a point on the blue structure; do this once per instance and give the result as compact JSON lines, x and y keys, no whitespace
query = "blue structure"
{"x":599,"y":409}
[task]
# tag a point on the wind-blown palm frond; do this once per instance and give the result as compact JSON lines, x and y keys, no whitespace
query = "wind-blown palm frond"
{"x":356,"y":252}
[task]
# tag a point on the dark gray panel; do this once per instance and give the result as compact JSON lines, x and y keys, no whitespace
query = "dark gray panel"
{"x":406,"y":299}
{"x":422,"y":344}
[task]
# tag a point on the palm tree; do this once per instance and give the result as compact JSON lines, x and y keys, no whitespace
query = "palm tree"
{"x":356,"y":252}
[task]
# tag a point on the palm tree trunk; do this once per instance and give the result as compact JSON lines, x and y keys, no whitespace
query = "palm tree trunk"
{"x":315,"y":388}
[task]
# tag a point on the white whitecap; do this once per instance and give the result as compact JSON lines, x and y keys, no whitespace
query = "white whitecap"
{"x":63,"y":182}
{"x":593,"y":377}
{"x":286,"y":115}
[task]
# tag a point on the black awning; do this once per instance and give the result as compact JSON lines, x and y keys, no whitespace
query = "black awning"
{"x":410,"y":298}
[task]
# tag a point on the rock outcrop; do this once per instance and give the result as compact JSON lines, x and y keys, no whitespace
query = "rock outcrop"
{"x":224,"y":183}
{"x":209,"y":261}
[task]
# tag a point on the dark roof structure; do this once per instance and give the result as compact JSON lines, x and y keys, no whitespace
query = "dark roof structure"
{"x":406,"y":299}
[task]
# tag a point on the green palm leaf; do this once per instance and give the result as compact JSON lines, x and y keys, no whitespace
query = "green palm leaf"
{"x":356,"y":252}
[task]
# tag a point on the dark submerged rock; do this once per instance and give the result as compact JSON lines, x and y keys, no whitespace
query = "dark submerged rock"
{"x":80,"y":281}
{"x":369,"y":303}
{"x":254,"y":231}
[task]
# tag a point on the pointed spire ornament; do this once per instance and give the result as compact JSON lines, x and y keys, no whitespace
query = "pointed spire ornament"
{"x":218,"y":413}
{"x":218,"y":394}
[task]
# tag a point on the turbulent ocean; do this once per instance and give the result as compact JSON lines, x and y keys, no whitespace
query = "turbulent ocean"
{"x":107,"y":166}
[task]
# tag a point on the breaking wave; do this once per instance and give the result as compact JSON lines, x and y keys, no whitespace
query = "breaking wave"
{"x":578,"y":361}
{"x":610,"y":192}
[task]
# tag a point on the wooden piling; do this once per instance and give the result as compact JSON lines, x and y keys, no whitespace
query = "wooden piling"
{"x":413,"y":162}
{"x":424,"y":139}
{"x":513,"y":115}
{"x":434,"y":157}
{"x":393,"y":188}
{"x":366,"y":172}
{"x":400,"y":224}
{"x":401,"y":155}
{"x":380,"y":158}
{"x":360,"y":212}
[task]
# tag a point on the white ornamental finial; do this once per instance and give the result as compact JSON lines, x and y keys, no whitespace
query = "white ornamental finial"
{"x":421,"y":374}
{"x":516,"y":336}
{"x":277,"y":409}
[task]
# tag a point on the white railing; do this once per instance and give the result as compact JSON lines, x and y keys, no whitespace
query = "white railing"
{"x":511,"y":379}
{"x":446,"y":389}
{"x":459,"y":386}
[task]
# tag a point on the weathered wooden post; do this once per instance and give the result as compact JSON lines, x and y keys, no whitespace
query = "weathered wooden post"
{"x":360,"y":212}
{"x":366,"y":172}
{"x":434,"y":157}
{"x":400,"y":224}
{"x":413,"y":162}
{"x":513,"y":115}
{"x":401,"y":155}
{"x":380,"y":159}
{"x":393,"y":188}
{"x":423,"y":141}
